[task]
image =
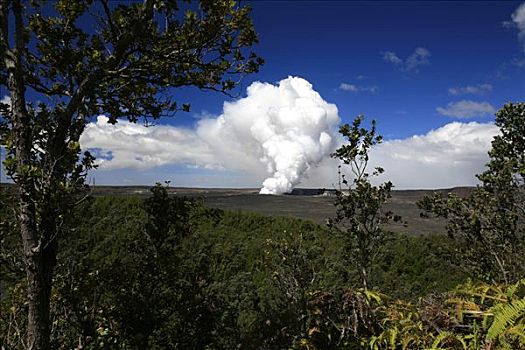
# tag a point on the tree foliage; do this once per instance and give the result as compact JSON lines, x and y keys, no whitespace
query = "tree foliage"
{"x":126,"y":68}
{"x":219,"y":279}
{"x":488,"y":224}
{"x":359,"y":212}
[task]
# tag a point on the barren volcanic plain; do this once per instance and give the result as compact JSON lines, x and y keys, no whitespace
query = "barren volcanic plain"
{"x":316,"y":205}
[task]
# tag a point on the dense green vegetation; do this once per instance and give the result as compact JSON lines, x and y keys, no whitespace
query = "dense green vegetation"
{"x":167,"y":272}
{"x":131,"y":276}
{"x":488,"y":224}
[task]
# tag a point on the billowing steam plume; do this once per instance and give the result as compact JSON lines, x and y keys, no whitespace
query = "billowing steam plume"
{"x":284,"y":130}
{"x":288,"y":127}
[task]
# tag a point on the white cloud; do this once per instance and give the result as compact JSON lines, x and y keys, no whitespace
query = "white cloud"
{"x":466,"y":109}
{"x":479,"y":89}
{"x":135,"y":146}
{"x":357,"y":88}
{"x":420,"y":57}
{"x":442,"y":158}
{"x":203,"y":115}
{"x":392,"y":57}
{"x":6,"y":100}
{"x":518,"y":21}
{"x":348,"y":87}
{"x":445,"y":157}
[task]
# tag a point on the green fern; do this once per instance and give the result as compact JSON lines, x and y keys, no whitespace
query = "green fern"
{"x":517,"y":333}
{"x":516,"y":290}
{"x":506,"y":317}
{"x":373,"y":295}
{"x":448,"y":336}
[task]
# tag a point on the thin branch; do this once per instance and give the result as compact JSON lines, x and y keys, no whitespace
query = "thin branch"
{"x":107,"y":11}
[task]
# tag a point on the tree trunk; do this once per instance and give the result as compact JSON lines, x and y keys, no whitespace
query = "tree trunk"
{"x":39,"y":248}
{"x":38,"y":294}
{"x":40,"y":261}
{"x":36,"y":233}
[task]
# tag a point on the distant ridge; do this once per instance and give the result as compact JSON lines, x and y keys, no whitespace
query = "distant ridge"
{"x":459,"y":191}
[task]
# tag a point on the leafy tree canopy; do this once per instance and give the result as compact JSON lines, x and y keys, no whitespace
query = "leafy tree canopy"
{"x":487,"y":224}
{"x":64,"y":62}
{"x":358,"y":203}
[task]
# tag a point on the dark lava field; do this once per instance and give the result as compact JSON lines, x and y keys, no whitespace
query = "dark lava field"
{"x":316,"y":205}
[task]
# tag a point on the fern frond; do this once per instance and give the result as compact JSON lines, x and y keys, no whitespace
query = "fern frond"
{"x":407,"y":342}
{"x":506,"y":316}
{"x":393,"y":337}
{"x":376,"y":296}
{"x":517,"y":288}
{"x":448,"y":336}
{"x":517,"y":333}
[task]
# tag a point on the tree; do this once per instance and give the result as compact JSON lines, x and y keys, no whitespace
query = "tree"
{"x":486,"y":224}
{"x":125,"y":69}
{"x":359,"y":212}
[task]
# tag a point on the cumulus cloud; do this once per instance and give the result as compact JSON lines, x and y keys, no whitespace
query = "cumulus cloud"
{"x":420,"y":57}
{"x":284,"y":130}
{"x":479,"y":89}
{"x":442,"y":158}
{"x":518,"y":21}
{"x":466,"y":109}
{"x":357,"y":88}
{"x":289,"y":128}
{"x":446,"y":157}
{"x":135,"y":146}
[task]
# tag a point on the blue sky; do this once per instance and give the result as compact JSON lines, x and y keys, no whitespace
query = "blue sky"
{"x":329,"y":43}
{"x":431,"y":73}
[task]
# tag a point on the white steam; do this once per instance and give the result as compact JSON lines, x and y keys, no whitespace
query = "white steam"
{"x":282,"y":130}
{"x":289,"y":128}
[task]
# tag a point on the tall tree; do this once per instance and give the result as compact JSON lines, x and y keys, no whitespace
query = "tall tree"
{"x":487,"y":223}
{"x":125,"y":68}
{"x":360,"y":215}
